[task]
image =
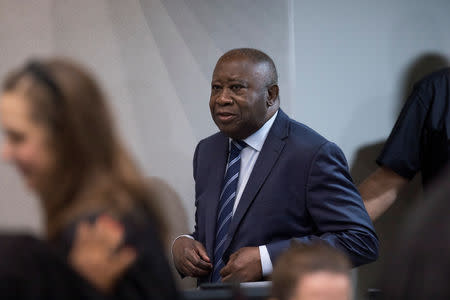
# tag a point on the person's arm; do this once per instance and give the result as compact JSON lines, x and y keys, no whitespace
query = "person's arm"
{"x":188,"y":254}
{"x":338,"y":214}
{"x":380,"y":190}
{"x":336,"y":209}
{"x":401,"y":157}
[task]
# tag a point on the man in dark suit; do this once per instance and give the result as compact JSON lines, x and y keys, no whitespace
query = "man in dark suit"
{"x":265,"y":180}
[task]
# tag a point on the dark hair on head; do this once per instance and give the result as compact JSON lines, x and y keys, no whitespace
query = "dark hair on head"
{"x":303,"y":259}
{"x":93,"y":171}
{"x":256,"y":56}
{"x":40,"y":74}
{"x":419,"y":266}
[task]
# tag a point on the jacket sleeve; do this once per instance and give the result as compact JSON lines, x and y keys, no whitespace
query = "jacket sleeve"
{"x":336,"y":208}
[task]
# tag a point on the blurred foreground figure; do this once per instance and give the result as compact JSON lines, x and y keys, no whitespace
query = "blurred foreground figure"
{"x":30,"y":269}
{"x":312,"y":272}
{"x":60,"y":135}
{"x":419,"y":142}
{"x":420,"y":266}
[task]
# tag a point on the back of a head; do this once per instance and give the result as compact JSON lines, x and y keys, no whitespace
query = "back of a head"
{"x":301,"y":260}
{"x":419,"y":268}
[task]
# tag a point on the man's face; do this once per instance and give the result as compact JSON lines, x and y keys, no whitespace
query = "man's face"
{"x":238,"y":101}
{"x":323,"y":285}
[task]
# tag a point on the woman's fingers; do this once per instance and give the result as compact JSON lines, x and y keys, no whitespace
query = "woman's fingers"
{"x":109,"y":232}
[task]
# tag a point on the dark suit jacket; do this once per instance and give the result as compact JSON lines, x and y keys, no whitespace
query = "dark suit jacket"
{"x":300,"y":188}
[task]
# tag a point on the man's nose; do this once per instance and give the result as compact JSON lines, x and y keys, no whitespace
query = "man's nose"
{"x":224,"y":97}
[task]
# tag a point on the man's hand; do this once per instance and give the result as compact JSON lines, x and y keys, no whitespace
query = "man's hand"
{"x":96,"y":255}
{"x":190,"y":257}
{"x":243,"y":265}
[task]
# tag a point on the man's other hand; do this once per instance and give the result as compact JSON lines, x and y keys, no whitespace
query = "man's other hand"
{"x":190,"y":257}
{"x":244,"y":265}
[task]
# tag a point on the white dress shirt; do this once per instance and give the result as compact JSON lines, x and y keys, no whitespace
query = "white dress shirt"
{"x":249,"y":155}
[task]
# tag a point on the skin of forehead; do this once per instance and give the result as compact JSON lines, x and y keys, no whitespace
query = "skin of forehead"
{"x":261,"y":69}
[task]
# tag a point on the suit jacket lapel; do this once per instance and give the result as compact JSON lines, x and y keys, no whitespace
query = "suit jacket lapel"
{"x":266,"y":160}
{"x":219,"y":157}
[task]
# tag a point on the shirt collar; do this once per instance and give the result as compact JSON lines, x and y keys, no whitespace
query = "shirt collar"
{"x":257,"y":139}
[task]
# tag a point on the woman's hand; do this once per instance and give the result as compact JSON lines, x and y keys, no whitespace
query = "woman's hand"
{"x":97,"y":253}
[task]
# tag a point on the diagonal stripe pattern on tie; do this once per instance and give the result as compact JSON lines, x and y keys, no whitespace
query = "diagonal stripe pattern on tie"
{"x":226,"y":203}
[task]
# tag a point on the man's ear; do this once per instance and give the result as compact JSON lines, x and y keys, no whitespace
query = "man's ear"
{"x":272,"y":93}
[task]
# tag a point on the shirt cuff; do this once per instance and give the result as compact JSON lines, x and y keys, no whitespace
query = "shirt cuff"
{"x":266,"y":263}
{"x":183,"y":235}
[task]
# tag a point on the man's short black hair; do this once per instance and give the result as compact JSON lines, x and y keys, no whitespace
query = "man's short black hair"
{"x":256,"y":56}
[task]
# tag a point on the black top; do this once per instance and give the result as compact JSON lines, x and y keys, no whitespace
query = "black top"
{"x":30,"y":269}
{"x":420,"y":138}
{"x":34,"y":269}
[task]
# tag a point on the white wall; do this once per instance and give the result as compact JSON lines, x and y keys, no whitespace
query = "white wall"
{"x":154,"y":59}
{"x":345,"y":68}
{"x":353,"y":58}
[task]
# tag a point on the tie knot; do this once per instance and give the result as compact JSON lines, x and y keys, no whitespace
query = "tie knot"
{"x":238,"y":145}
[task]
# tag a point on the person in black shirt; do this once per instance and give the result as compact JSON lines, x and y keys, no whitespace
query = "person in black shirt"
{"x":419,"y":141}
{"x":31,"y":269}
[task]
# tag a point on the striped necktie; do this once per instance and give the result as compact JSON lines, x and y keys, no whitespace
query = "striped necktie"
{"x":226,"y":203}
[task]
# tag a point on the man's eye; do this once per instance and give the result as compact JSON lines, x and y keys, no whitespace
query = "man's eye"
{"x":215,"y":87}
{"x":236,"y":87}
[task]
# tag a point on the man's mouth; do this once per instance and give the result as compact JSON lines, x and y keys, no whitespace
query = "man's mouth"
{"x":225,"y":116}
